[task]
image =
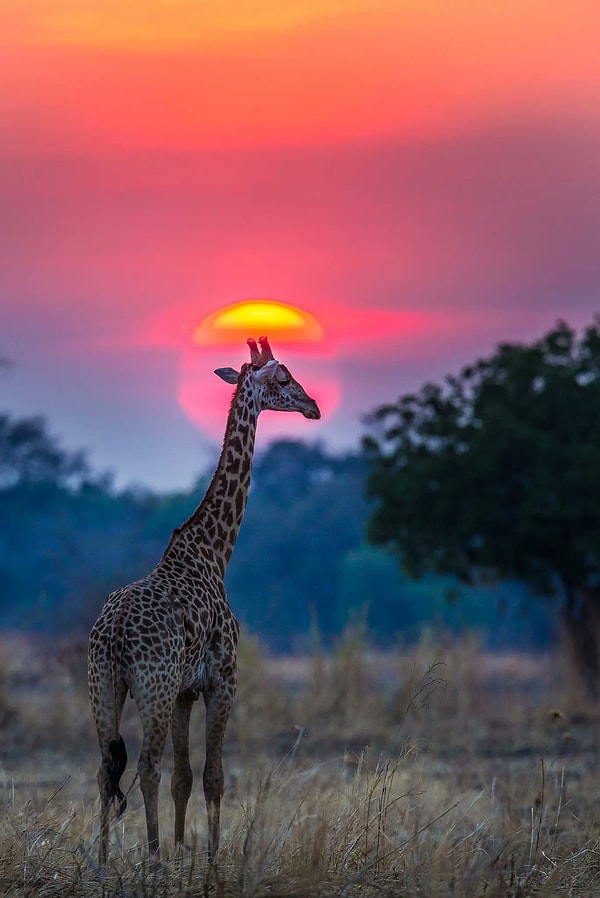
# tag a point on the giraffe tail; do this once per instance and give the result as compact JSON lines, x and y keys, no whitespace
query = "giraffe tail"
{"x":118,"y":754}
{"x":116,"y":746}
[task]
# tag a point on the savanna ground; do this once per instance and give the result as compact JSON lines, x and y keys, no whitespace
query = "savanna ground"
{"x":436,"y":771}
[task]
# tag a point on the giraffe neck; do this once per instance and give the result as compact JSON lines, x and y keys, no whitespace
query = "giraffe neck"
{"x":215,"y":524}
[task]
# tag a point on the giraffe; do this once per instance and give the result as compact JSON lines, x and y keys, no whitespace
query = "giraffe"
{"x":171,"y":636}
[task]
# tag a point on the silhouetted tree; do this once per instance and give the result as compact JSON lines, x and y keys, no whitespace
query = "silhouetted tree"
{"x":308,"y":511}
{"x":29,"y":454}
{"x":496,"y":474}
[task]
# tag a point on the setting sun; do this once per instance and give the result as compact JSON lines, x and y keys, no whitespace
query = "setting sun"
{"x":297,"y":338}
{"x":234,"y":323}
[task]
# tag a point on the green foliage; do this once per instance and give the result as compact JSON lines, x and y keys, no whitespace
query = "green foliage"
{"x":29,"y":454}
{"x":496,"y":473}
{"x":371,"y":586}
{"x":67,"y":538}
{"x":307,"y":510}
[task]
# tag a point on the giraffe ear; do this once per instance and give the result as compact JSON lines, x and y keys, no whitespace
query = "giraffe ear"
{"x":229,"y":375}
{"x":268,"y":371}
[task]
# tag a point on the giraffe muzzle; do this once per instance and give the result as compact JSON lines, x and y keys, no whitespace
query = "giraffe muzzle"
{"x":311,"y":410}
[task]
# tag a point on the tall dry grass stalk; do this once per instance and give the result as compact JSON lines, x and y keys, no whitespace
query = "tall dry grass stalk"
{"x":439,"y":771}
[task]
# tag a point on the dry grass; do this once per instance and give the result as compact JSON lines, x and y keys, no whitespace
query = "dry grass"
{"x":438,"y":771}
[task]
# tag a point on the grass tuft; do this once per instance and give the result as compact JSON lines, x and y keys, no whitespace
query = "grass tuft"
{"x":437,"y":771}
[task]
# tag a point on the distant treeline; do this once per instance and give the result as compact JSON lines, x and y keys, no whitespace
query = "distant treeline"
{"x":301,"y":571}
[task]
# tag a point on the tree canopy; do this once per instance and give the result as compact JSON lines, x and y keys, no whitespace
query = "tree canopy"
{"x":300,"y":565}
{"x":496,"y":472}
{"x":30,"y":454}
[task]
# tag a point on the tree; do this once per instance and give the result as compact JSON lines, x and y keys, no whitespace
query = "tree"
{"x":29,"y":454}
{"x":496,"y":474}
{"x":308,"y":511}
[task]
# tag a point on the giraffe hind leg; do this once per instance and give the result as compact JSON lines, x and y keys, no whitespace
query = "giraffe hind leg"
{"x":183,"y":777}
{"x":110,"y":773}
{"x":119,"y":763}
{"x":155,"y":722}
{"x":109,"y":776}
{"x":114,"y":754}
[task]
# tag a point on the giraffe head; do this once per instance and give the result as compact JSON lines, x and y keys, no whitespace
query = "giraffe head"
{"x":271,"y":382}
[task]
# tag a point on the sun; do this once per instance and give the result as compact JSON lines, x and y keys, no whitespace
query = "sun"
{"x":296,"y":336}
{"x":283,"y":323}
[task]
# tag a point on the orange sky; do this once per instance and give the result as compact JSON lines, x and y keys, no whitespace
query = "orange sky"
{"x":423,"y":177}
{"x":109,"y":74}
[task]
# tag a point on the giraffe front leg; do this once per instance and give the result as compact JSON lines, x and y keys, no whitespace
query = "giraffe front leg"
{"x":183,"y":777}
{"x":218,"y":702}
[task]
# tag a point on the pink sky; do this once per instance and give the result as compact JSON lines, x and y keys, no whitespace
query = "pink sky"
{"x":423,"y":177}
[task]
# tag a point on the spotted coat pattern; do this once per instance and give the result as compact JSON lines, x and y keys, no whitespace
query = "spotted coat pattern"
{"x":170,"y":637}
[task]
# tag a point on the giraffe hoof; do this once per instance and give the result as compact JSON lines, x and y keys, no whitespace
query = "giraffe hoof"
{"x":181,"y":850}
{"x":155,"y":866}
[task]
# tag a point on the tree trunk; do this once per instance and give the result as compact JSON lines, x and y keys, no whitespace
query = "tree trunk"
{"x":581,"y":622}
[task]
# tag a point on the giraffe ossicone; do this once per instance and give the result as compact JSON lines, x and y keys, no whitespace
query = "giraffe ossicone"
{"x":171,"y":636}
